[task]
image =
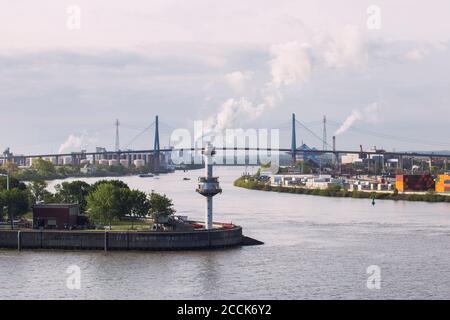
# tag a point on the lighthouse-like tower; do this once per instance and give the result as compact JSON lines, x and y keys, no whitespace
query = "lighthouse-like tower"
{"x":208,"y":186}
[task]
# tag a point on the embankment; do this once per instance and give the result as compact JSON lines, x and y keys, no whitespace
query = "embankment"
{"x":341,"y":193}
{"x":152,"y":241}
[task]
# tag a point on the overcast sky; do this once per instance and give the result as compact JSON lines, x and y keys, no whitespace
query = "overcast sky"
{"x":250,"y":64}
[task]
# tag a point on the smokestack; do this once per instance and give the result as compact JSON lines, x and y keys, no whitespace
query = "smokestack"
{"x":324,"y":137}
{"x":334,"y":143}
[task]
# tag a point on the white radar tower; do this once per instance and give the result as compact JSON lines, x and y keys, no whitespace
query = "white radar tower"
{"x":208,"y":186}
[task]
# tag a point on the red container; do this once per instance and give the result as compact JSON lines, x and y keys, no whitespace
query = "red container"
{"x":423,"y":182}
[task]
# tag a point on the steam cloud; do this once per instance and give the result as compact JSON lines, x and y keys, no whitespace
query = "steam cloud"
{"x":74,"y":142}
{"x":292,"y":64}
{"x":369,"y":114}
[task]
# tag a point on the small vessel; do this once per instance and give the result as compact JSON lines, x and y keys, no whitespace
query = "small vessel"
{"x":146,"y":175}
{"x":186,"y":179}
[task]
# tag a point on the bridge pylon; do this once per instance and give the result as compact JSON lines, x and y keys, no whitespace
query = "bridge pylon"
{"x":294,"y":140}
{"x":156,"y":147}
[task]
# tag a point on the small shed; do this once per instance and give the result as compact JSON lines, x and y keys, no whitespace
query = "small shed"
{"x":55,"y":215}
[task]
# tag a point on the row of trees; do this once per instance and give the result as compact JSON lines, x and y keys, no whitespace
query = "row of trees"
{"x":109,"y":202}
{"x":45,"y":170}
{"x":103,"y":202}
{"x":41,"y":169}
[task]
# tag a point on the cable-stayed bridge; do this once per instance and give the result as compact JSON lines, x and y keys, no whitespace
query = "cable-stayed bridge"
{"x":153,"y":155}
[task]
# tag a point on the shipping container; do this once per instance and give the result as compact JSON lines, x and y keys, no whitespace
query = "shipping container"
{"x":443,"y":183}
{"x":423,"y":182}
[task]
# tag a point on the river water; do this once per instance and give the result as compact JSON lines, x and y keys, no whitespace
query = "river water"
{"x":315,"y":248}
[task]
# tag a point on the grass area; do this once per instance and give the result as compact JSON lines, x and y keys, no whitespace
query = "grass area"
{"x":337,"y":191}
{"x":127,"y":225}
{"x":119,"y":225}
{"x":124,"y":226}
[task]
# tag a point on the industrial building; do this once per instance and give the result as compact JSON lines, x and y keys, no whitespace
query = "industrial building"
{"x":324,"y":182}
{"x":58,"y":216}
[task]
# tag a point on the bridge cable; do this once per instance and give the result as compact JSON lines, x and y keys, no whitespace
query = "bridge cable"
{"x":139,"y":135}
{"x":313,"y":133}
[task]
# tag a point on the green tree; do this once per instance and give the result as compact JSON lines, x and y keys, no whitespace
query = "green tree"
{"x":117,"y":183}
{"x":160,"y":206}
{"x":74,"y":192}
{"x":131,"y":203}
{"x":139,"y":204}
{"x":11,"y":167}
{"x":39,"y":193}
{"x":16,"y":201}
{"x":104,"y":203}
{"x":44,"y":168}
{"x":13,"y":183}
{"x":2,"y":204}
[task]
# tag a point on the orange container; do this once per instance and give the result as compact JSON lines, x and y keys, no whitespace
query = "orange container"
{"x":443,"y":183}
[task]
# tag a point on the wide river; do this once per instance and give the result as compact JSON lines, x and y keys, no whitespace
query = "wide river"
{"x":315,"y":248}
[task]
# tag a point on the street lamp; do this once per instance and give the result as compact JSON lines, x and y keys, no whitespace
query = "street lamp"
{"x":7,"y":179}
{"x":7,"y":188}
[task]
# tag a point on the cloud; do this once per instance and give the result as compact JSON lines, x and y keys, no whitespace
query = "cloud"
{"x":169,"y":79}
{"x":415,"y":54}
{"x":345,"y":48}
{"x":238,"y":81}
{"x":291,"y":64}
{"x":370,"y":114}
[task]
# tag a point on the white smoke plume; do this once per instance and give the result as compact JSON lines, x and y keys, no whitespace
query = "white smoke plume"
{"x":290,"y":64}
{"x":370,"y":114}
{"x":231,"y":112}
{"x":75,"y":143}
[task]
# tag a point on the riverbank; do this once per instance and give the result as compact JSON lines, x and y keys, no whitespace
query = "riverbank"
{"x":47,"y":170}
{"x":338,"y":192}
{"x":29,"y":177}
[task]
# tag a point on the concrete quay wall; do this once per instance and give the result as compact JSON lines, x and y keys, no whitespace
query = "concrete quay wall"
{"x":79,"y":240}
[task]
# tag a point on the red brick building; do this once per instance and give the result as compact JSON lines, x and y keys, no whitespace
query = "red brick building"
{"x":55,"y":216}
